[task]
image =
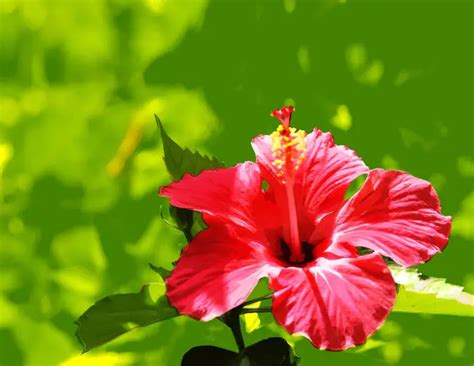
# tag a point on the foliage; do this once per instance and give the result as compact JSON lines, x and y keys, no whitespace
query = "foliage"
{"x":428,"y":295}
{"x":180,"y":161}
{"x":269,"y":352}
{"x":80,"y":156}
{"x":117,"y":314}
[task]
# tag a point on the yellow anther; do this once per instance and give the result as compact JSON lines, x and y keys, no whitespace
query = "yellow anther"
{"x":288,"y":148}
{"x":291,"y":143}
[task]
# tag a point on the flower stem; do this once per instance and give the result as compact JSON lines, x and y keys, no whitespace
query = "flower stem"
{"x":257,"y":299}
{"x":188,"y":234}
{"x":237,"y":333}
{"x":232,"y":320}
{"x":256,"y":310}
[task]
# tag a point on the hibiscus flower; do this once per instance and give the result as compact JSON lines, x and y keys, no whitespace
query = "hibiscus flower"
{"x":297,"y":230}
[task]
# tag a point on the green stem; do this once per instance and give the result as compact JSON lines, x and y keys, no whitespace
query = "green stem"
{"x":256,"y":310}
{"x":188,"y":234}
{"x":232,"y":320}
{"x":237,"y":333}
{"x":257,"y":299}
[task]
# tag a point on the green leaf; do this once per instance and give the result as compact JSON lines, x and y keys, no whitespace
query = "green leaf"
{"x":180,"y":161}
{"x":421,"y":294}
{"x":268,"y":352}
{"x":370,"y":345}
{"x":271,"y":351}
{"x":164,"y":273}
{"x":118,"y":314}
{"x":210,"y":356}
{"x":183,"y":218}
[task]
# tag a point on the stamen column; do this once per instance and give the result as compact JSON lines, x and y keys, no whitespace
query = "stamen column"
{"x":289,"y":150}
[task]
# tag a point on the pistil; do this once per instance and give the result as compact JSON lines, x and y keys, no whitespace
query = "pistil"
{"x":295,"y":242}
{"x":289,"y":150}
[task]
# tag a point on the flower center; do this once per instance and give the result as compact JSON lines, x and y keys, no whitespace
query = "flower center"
{"x":288,"y":148}
{"x":307,"y":251}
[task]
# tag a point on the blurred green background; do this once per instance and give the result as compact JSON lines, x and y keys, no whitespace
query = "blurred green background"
{"x":80,"y":156}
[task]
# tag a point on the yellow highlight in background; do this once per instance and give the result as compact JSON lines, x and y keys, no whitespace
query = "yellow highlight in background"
{"x":342,"y":119}
{"x":252,"y":321}
{"x":100,"y":359}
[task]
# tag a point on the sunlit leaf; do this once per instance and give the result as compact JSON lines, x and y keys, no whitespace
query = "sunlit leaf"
{"x":370,"y":345}
{"x":118,"y":314}
{"x":70,"y":252}
{"x":9,"y":312}
{"x":100,"y":359}
{"x":34,"y":337}
{"x":428,"y":295}
{"x":6,"y":152}
{"x":147,"y":172}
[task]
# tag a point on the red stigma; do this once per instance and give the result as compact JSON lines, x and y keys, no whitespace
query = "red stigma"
{"x":284,"y":115}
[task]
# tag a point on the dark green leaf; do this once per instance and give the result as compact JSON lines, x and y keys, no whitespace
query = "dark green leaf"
{"x":180,"y":161}
{"x":210,"y":356}
{"x":269,"y":352}
{"x":182,"y":217}
{"x":118,"y":314}
{"x":164,"y":273}
{"x":198,"y":224}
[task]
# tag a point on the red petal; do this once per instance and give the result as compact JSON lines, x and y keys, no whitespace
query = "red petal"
{"x":215,"y":273}
{"x":228,"y":195}
{"x":262,"y":145}
{"x":324,"y":176}
{"x":337,"y":303}
{"x":326,"y":173}
{"x":396,"y":215}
